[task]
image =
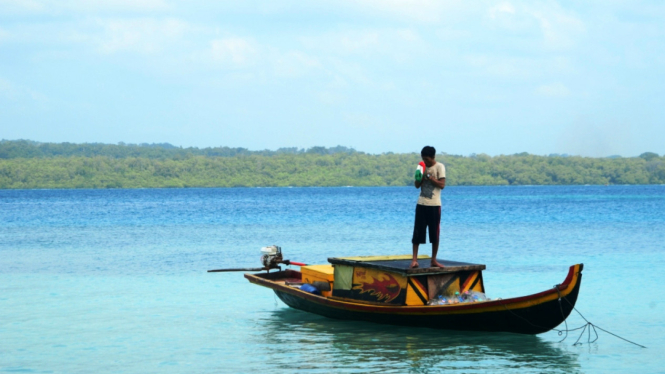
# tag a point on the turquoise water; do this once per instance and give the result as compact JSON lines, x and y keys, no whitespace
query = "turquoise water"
{"x":114,"y":280}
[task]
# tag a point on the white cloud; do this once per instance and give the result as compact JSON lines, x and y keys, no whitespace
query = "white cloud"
{"x":6,"y":88}
{"x":556,"y":27}
{"x":354,"y":42}
{"x":559,"y":28}
{"x":37,"y":36}
{"x":362,"y":120}
{"x":112,"y":5}
{"x":397,"y":43}
{"x":234,"y":50}
{"x":79,"y":6}
{"x":21,"y":6}
{"x":18,"y":92}
{"x":502,"y":66}
{"x":425,"y":11}
{"x":295,"y":64}
{"x":144,"y":36}
{"x":331,"y":98}
{"x":501,"y":9}
{"x":553,"y":90}
{"x":343,"y":42}
{"x":588,"y":137}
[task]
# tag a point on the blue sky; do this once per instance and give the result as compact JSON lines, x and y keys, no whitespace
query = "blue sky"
{"x":495,"y":77}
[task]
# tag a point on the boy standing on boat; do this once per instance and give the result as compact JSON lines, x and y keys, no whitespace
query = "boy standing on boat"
{"x":428,"y":209}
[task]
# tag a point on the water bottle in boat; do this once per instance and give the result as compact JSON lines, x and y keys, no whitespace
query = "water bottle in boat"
{"x":439,"y":300}
{"x":476,"y":296}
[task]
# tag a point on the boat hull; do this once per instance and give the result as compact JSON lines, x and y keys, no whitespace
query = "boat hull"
{"x":533,"y":314}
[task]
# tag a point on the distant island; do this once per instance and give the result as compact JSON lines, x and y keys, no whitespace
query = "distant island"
{"x":27,"y":164}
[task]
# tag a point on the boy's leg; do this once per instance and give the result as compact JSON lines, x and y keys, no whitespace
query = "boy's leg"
{"x":414,"y":261}
{"x":419,"y":229}
{"x":434,"y":236}
{"x":435,"y":249}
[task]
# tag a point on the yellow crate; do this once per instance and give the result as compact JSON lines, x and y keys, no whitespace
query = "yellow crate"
{"x":321,"y":273}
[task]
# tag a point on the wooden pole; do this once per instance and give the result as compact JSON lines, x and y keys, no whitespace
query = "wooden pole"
{"x":236,"y":269}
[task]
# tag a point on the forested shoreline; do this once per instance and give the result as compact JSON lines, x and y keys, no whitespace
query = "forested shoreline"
{"x":27,"y":165}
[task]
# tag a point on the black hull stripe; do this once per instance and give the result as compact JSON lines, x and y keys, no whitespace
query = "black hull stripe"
{"x":417,"y":290}
{"x":475,"y":282}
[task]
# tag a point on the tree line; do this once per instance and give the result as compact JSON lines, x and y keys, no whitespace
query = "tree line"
{"x":10,"y":149}
{"x":153,"y":166}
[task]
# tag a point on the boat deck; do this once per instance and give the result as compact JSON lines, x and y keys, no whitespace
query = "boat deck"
{"x":400,"y":264}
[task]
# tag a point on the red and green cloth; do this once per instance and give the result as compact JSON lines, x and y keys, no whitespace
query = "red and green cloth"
{"x":420,"y":171}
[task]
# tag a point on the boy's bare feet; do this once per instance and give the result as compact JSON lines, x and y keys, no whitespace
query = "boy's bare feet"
{"x":414,"y":264}
{"x":436,"y":264}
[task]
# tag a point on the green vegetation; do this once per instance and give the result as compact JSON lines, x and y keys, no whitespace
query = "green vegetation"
{"x":25,"y":164}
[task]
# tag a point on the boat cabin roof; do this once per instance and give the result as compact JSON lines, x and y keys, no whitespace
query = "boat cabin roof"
{"x":400,"y":264}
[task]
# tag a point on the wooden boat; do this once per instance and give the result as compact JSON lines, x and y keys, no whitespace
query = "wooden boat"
{"x":385,"y":290}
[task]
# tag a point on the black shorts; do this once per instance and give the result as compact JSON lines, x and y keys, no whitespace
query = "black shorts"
{"x":426,"y":216}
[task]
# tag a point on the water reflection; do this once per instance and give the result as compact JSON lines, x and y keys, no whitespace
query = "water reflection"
{"x":295,"y":339}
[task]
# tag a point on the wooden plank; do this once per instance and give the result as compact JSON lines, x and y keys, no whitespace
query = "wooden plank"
{"x":382,"y":258}
{"x":436,"y":283}
{"x":446,"y":270}
{"x":401,"y":266}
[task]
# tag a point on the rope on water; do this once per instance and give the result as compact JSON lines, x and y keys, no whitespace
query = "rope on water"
{"x":588,"y":327}
{"x":556,"y":287}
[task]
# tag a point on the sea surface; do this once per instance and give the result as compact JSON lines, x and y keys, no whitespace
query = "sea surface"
{"x":115,"y":281}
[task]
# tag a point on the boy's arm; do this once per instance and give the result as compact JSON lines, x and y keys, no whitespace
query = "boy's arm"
{"x":441,"y":182}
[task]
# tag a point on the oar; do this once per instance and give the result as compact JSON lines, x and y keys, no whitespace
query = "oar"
{"x":236,"y":269}
{"x":285,"y":262}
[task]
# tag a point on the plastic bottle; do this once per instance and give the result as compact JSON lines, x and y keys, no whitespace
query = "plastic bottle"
{"x":439,"y":300}
{"x":477,"y":296}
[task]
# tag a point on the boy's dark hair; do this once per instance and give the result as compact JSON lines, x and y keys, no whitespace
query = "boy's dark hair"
{"x":428,"y":151}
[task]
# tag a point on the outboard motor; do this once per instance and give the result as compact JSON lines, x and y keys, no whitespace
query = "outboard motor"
{"x":271,"y":256}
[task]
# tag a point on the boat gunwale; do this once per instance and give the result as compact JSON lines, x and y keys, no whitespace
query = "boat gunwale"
{"x":559,"y":291}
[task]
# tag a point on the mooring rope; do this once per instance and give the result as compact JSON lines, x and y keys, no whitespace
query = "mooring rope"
{"x":588,"y":325}
{"x":565,"y":321}
{"x":585,"y":328}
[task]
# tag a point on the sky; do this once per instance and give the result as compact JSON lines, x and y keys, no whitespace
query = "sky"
{"x":496,"y":77}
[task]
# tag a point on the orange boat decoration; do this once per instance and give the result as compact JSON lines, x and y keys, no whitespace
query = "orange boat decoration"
{"x":383,"y":289}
